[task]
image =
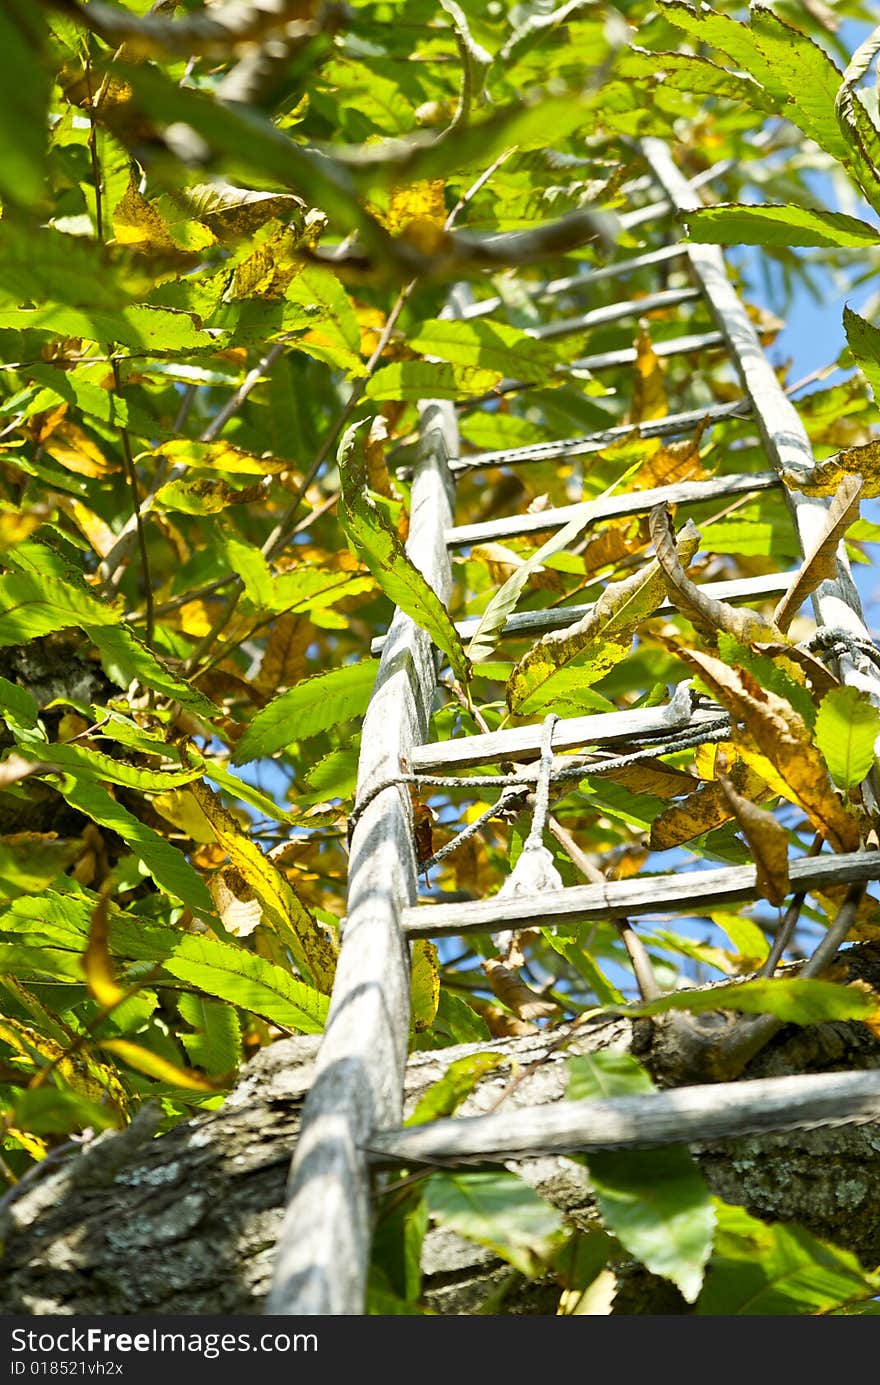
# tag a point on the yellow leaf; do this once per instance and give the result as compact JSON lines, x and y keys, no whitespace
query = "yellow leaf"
{"x":424,"y":984}
{"x":83,"y":1073}
{"x":282,"y":909}
{"x":143,"y":1060}
{"x":852,"y":461}
{"x":421,"y":205}
{"x":97,"y":963}
{"x":216,"y":456}
{"x":703,"y":810}
{"x":179,"y":807}
{"x":136,"y":222}
{"x":677,"y":461}
{"x":15,"y":528}
{"x":649,"y":399}
{"x":76,"y":451}
{"x":784,"y":745}
{"x":31,"y":1144}
{"x":195,"y":618}
{"x":655,"y":778}
{"x":284,"y":661}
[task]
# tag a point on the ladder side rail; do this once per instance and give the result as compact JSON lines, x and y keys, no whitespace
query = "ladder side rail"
{"x":323,"y":1248}
{"x":836,"y":601}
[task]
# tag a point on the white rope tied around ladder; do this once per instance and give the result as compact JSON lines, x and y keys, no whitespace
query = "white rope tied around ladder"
{"x":534,"y":871}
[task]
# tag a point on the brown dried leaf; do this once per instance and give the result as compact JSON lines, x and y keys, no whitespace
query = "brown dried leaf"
{"x":284,"y":662}
{"x":706,"y":614}
{"x":239,"y":910}
{"x":703,"y":810}
{"x":768,"y":842}
{"x":787,"y":757}
{"x":820,"y":564}
{"x":677,"y":461}
{"x":653,"y":777}
{"x":525,"y":1003}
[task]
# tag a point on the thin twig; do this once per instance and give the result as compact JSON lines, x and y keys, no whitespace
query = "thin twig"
{"x":789,"y":921}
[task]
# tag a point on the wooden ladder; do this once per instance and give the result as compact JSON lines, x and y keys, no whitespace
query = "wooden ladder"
{"x":353,"y":1112}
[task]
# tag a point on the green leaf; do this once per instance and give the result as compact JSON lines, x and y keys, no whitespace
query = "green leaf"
{"x":739,"y":224}
{"x":497,"y":1210}
{"x":124,"y":658}
{"x":18,"y":707}
{"x":89,"y":763}
{"x":864,"y":342}
{"x":863,"y":144}
{"x":797,"y":75}
{"x":455,"y":1023}
{"x":41,"y":265}
{"x":696,"y":75}
{"x":24,"y":94}
{"x":769,"y":673}
{"x":444,"y":1096}
{"x":594,"y":1076}
{"x":248,"y":981}
{"x":216,"y":1046}
{"x":56,"y":1110}
{"x":146,"y":330}
{"x":762,"y":1270}
{"x":601,"y":638}
{"x":336,"y":336}
{"x":488,"y":345}
{"x":503,"y":603}
{"x":746,"y":936}
{"x":378,"y":545}
{"x":583,"y":961}
{"x":414,"y":380}
{"x":169,"y":867}
{"x":659,"y":1209}
{"x":316,"y":704}
{"x":32,"y":605}
{"x":795,"y":999}
{"x":847,"y":727}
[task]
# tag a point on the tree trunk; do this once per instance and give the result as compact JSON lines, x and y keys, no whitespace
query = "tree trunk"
{"x":187,"y":1222}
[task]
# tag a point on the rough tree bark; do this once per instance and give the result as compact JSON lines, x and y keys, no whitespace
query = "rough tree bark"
{"x":187,"y":1222}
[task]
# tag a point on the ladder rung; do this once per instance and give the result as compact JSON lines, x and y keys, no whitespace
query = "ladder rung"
{"x":614,"y":312}
{"x":520,"y":743}
{"x":524,"y":624}
{"x":677,"y":346}
{"x":595,"y":442}
{"x":687,"y":1115}
{"x":575,"y":283}
{"x":686,"y":892}
{"x":614,"y":507}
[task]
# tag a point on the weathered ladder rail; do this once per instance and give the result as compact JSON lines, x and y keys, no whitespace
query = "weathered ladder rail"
{"x":352,"y":1117}
{"x":358,"y":1087}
